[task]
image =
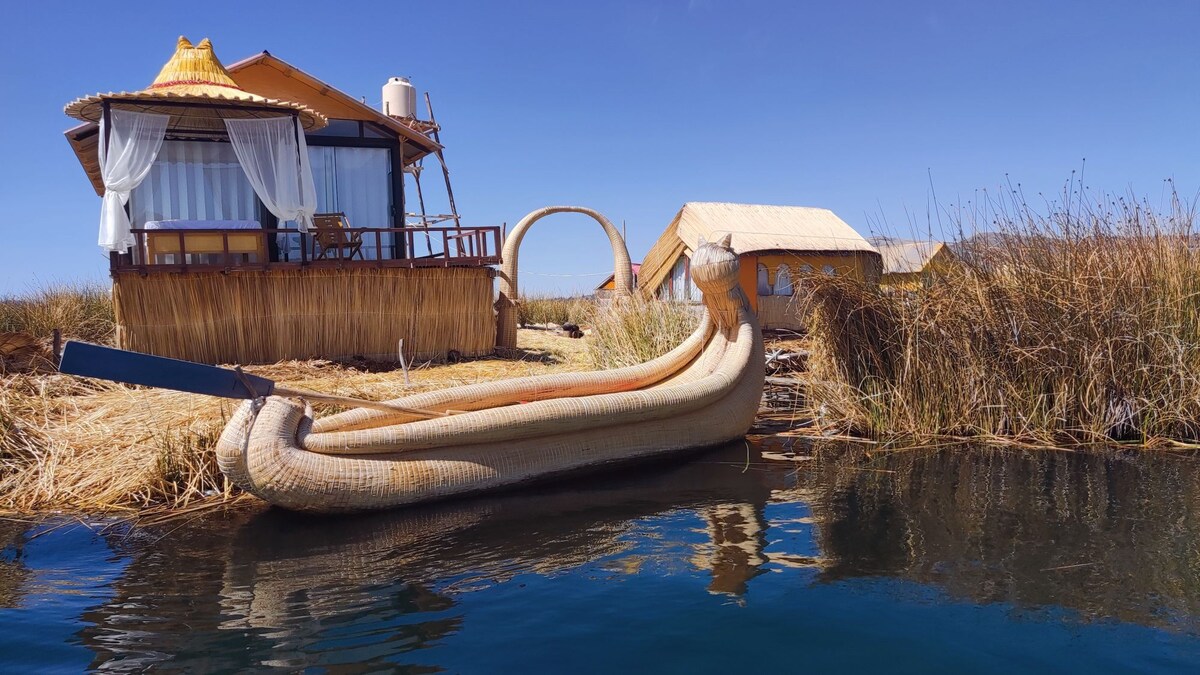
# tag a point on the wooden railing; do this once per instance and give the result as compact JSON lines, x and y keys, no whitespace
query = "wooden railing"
{"x":263,"y":249}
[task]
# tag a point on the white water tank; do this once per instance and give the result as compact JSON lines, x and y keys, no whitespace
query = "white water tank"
{"x":399,"y":98}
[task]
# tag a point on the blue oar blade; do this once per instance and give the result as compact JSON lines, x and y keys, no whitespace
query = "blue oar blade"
{"x":118,"y":365}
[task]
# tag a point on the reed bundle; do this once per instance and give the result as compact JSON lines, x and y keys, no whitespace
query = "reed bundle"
{"x":278,"y":315}
{"x":1077,"y":325}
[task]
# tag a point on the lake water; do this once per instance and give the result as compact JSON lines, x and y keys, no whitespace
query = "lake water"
{"x":731,"y":560}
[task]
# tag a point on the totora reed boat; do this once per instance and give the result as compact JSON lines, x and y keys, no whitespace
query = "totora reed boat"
{"x":486,"y":436}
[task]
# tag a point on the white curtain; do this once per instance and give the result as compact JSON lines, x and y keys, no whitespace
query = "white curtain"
{"x":194,"y":180}
{"x":127,"y":151}
{"x":783,"y":280}
{"x":274,"y":156}
{"x":357,"y":182}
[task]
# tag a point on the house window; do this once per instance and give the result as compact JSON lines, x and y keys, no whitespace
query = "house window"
{"x":806,"y":269}
{"x":828,"y":270}
{"x":783,"y":280}
{"x":681,"y":285}
{"x":764,"y":283}
{"x":357,"y":182}
{"x":194,"y":180}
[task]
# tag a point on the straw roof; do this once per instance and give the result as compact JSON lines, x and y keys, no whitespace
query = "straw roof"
{"x":754,"y":228}
{"x":197,"y":92}
{"x":271,"y":77}
{"x":905,"y":256}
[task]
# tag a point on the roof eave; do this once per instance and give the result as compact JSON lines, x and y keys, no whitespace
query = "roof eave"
{"x":428,"y":145}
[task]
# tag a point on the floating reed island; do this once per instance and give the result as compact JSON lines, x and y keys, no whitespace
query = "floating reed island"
{"x":1073,"y":326}
{"x":1078,"y":324}
{"x":68,"y":443}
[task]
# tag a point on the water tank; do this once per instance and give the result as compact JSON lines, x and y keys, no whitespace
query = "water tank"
{"x":399,"y":98}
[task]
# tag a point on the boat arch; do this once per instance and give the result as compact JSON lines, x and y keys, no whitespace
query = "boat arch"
{"x":506,"y":303}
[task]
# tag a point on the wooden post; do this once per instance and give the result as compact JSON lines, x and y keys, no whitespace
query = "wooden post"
{"x":442,"y":159}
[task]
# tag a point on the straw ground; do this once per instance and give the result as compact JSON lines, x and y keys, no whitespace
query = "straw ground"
{"x":80,"y":445}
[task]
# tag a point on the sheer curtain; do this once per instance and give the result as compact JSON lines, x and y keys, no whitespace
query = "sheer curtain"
{"x":133,"y":142}
{"x":783,"y":280}
{"x":274,"y":156}
{"x":194,"y":180}
{"x":357,"y":182}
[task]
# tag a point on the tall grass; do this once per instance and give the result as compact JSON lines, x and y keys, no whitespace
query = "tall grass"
{"x":1074,"y":324}
{"x":538,"y":310}
{"x":633,"y":331}
{"x":83,"y":311}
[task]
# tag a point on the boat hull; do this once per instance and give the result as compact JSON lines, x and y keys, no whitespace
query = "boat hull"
{"x":704,"y":393}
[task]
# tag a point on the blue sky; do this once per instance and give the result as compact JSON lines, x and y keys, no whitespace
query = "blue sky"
{"x":635,"y":107}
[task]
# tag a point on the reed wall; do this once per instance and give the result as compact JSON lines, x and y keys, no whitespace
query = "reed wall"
{"x":780,"y":312}
{"x":263,"y":317}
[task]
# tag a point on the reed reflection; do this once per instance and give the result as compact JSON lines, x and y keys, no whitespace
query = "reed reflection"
{"x":1106,"y":534}
{"x":280,"y":585}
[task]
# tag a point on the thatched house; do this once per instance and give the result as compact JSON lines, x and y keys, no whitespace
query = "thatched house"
{"x":256,"y":213}
{"x":778,"y":246}
{"x":910,"y":264}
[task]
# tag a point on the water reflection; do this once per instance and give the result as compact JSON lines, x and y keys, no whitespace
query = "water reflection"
{"x":1103,"y":535}
{"x":1107,"y":534}
{"x":14,"y":573}
{"x":325,"y":591}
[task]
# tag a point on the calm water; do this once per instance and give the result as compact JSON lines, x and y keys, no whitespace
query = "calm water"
{"x":736,"y":559}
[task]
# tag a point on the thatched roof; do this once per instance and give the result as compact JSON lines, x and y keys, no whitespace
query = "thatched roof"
{"x":906,"y":256}
{"x":197,"y":92}
{"x":754,"y":228}
{"x":273,"y":78}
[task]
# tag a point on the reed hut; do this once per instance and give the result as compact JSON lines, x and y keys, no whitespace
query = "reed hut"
{"x":778,"y":247}
{"x":256,"y":213}
{"x":911,"y":264}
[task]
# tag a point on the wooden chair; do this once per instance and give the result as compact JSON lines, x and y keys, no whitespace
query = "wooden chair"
{"x":330,"y":234}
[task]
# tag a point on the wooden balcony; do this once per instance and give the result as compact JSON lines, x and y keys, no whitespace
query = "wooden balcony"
{"x":233,"y":250}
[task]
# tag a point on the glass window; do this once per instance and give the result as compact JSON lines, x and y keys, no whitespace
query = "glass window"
{"x":358,"y":183}
{"x":806,"y":269}
{"x":679,"y":280}
{"x":764,"y":283}
{"x":372,"y":131}
{"x":342,"y":128}
{"x":783,"y":280}
{"x":828,"y":270}
{"x":194,"y":180}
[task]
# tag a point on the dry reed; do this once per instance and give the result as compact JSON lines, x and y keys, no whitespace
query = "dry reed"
{"x":635,"y":330}
{"x":72,"y":444}
{"x":542,"y":310}
{"x":263,"y":318}
{"x":1080,"y":324}
{"x":82,"y":311}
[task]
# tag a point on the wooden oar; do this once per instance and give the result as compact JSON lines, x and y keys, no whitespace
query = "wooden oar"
{"x":118,"y":365}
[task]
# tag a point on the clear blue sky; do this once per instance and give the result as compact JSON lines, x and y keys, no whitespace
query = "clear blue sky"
{"x":635,"y":107}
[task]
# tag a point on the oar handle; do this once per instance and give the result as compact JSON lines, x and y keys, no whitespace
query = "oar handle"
{"x":355,"y":402}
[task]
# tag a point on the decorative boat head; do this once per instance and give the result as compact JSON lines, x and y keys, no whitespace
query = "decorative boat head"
{"x":715,"y":271}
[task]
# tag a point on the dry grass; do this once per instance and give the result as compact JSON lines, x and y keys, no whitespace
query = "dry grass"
{"x":82,"y":311}
{"x":634,"y":331}
{"x":1076,"y":325}
{"x":540,"y":310}
{"x":81,"y":445}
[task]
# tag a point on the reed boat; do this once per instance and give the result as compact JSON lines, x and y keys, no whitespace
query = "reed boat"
{"x":488,"y":436}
